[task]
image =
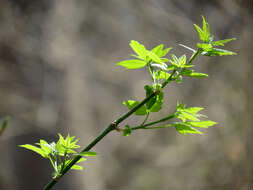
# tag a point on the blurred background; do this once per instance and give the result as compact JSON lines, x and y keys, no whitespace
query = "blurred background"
{"x":58,"y":75}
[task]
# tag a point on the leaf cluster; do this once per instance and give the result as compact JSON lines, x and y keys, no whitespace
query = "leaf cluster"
{"x":208,"y":46}
{"x":59,"y":153}
{"x":190,"y":120}
{"x":162,"y":69}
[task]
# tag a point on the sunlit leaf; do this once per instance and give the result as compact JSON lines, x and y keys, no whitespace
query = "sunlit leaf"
{"x":158,"y":50}
{"x":81,"y":160}
{"x":182,"y":60}
{"x":149,"y":91}
{"x":187,"y":116}
{"x":76,"y":167}
{"x":201,"y":124}
{"x":132,"y":103}
{"x":161,"y":75}
{"x":139,"y":49}
{"x":191,"y":73}
{"x":222,"y":42}
{"x":157,"y":106}
{"x":132,"y":64}
{"x":45,"y":146}
{"x":175,"y":59}
{"x":154,"y":57}
{"x":193,"y":110}
{"x":204,"y":46}
{"x":185,"y":129}
{"x":204,"y":33}
{"x":35,"y":149}
{"x":165,"y":52}
{"x":218,"y":52}
{"x":200,"y":32}
{"x":206,"y":30}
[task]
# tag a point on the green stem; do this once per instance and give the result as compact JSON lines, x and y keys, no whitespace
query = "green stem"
{"x":159,"y":127}
{"x":169,"y":79}
{"x":194,"y":55}
{"x":64,"y":160}
{"x":110,"y":128}
{"x":154,"y":122}
{"x":146,"y":118}
{"x":52,"y":163}
{"x":113,"y":126}
{"x":150,"y":69}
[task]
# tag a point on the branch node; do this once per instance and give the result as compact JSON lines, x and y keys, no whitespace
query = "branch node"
{"x":156,"y":92}
{"x":57,"y":178}
{"x":116,"y":127}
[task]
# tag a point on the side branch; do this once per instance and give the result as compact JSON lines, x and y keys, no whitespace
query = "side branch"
{"x":110,"y":128}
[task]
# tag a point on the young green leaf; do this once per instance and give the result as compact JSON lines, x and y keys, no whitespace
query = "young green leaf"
{"x":157,"y":106}
{"x":45,"y":147}
{"x":165,"y":52}
{"x":132,"y":103}
{"x":127,"y":131}
{"x":184,"y":116}
{"x":193,"y":110}
{"x":222,"y":42}
{"x":191,"y":73}
{"x":198,"y":75}
{"x":174,"y":59}
{"x":204,"y":46}
{"x":158,"y":50}
{"x":35,"y":149}
{"x":76,"y":167}
{"x":132,"y":64}
{"x":80,"y":160}
{"x":154,"y":57}
{"x":185,"y":129}
{"x":178,"y":62}
{"x":161,"y":75}
{"x":218,"y":52}
{"x":149,"y":90}
{"x":200,"y":32}
{"x":204,"y":33}
{"x":206,"y":30}
{"x":201,"y":124}
{"x":182,"y":61}
{"x":139,"y":49}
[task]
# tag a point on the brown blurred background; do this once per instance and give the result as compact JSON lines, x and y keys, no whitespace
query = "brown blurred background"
{"x":58,"y":75}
